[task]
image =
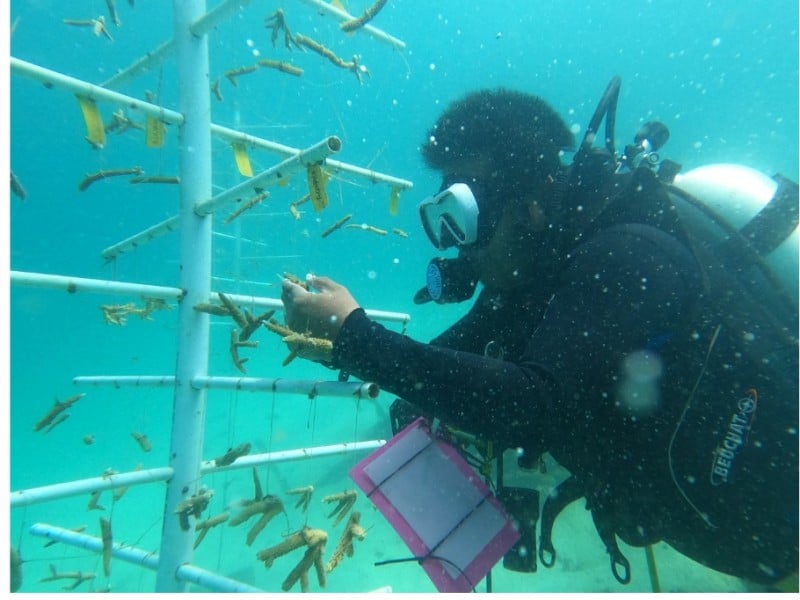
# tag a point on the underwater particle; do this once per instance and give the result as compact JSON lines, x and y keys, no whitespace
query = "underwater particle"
{"x":372,"y":275}
{"x":249,"y":43}
{"x":88,"y":439}
{"x":716,"y":42}
{"x":697,"y":145}
{"x":432,"y":66}
{"x":575,"y":129}
{"x":256,"y":52}
{"x":498,"y":35}
{"x":395,"y":261}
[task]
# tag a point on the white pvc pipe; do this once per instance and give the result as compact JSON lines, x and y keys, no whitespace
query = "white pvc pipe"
{"x":344,"y":16}
{"x":305,"y":387}
{"x":141,"y":65}
{"x":58,"y":491}
{"x":102,"y":286}
{"x":125,"y":552}
{"x":189,"y":404}
{"x":331,"y":164}
{"x":77,"y":86}
{"x":241,"y":240}
{"x":118,"y":381}
{"x":148,"y":560}
{"x":155,"y":57}
{"x":302,"y":160}
{"x":94,"y":92}
{"x":99,"y":286}
{"x":256,"y":460}
{"x":214,"y":581}
{"x":291,"y":165}
{"x":78,"y":487}
{"x":141,"y":238}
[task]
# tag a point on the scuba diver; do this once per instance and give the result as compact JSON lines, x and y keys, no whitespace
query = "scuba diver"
{"x":621,"y":326}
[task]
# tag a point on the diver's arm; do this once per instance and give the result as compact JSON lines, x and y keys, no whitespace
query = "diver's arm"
{"x":485,"y":396}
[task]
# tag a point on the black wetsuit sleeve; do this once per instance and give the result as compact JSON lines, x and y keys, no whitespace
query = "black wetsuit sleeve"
{"x":485,"y":396}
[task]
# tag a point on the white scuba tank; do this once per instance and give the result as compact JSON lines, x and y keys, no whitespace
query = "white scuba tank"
{"x":737,"y":193}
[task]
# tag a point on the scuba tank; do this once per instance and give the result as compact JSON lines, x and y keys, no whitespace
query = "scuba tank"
{"x":763,"y":209}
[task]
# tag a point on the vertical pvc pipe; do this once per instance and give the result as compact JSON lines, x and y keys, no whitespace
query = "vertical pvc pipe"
{"x":189,"y":405}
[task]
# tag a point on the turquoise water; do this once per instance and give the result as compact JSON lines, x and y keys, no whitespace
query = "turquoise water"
{"x":722,"y":76}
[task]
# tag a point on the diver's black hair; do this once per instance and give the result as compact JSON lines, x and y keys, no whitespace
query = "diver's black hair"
{"x":520,"y":134}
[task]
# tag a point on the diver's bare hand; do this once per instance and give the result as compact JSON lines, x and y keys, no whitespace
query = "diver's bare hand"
{"x":317,"y":314}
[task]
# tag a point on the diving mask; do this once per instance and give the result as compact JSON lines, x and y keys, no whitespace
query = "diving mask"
{"x":450,"y":218}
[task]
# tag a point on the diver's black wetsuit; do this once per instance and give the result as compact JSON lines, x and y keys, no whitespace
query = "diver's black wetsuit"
{"x":559,"y":385}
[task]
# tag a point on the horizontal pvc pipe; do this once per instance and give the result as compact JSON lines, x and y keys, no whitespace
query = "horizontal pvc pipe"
{"x":227,"y":236}
{"x":141,"y":65}
{"x":233,"y":281}
{"x":302,"y":160}
{"x":256,"y":460}
{"x":306,"y":387}
{"x":118,"y":381}
{"x":57,"y":491}
{"x":94,"y":92}
{"x":141,"y":238}
{"x":214,"y":581}
{"x":100,"y":286}
{"x":331,"y":164}
{"x":378,"y":34}
{"x":125,"y":552}
{"x":272,"y":175}
{"x":83,"y":88}
{"x":143,"y":558}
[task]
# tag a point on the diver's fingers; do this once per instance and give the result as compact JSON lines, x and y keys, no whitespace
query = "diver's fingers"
{"x":291,"y":293}
{"x":324,"y":284}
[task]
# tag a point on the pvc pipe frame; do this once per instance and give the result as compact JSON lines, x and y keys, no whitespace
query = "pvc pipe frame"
{"x":305,"y":387}
{"x":73,"y":285}
{"x":184,"y":470}
{"x":210,"y":20}
{"x":297,"y":159}
{"x":83,"y":88}
{"x":186,"y":572}
{"x":57,"y":491}
{"x":189,"y":403}
{"x":344,"y":16}
{"x":302,"y":160}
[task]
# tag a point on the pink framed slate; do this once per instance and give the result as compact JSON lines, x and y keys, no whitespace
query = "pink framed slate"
{"x":439,"y":505}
